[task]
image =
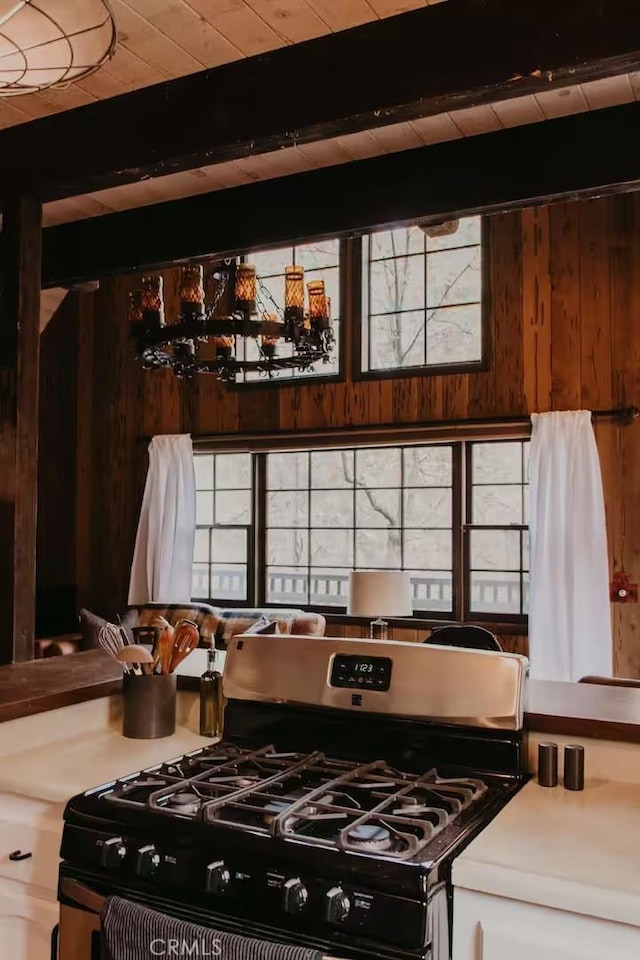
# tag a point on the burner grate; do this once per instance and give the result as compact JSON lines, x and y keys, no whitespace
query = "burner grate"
{"x":371,"y":809}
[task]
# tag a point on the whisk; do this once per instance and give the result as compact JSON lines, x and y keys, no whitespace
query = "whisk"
{"x":112,"y":640}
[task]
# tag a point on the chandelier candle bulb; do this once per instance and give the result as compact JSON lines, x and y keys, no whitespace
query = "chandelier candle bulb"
{"x":245,"y":292}
{"x":135,"y":307}
{"x":294,"y":295}
{"x":268,"y":342}
{"x":317,"y":304}
{"x":152,"y":302}
{"x":191,"y":290}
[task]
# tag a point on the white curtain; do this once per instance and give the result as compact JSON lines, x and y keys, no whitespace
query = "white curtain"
{"x":163,"y":554}
{"x":569,"y":612}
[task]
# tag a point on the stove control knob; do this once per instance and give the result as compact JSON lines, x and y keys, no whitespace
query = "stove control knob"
{"x":147,"y":861}
{"x":218,"y":877}
{"x":113,"y":853}
{"x":295,"y":895}
{"x":336,"y":906}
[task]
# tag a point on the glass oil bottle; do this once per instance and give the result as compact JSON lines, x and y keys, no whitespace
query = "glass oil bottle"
{"x":212,"y":702}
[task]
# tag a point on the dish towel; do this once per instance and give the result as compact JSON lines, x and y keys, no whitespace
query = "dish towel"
{"x":131,"y":931}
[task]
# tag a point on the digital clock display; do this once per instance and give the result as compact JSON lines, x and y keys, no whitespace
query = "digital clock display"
{"x":370,"y":673}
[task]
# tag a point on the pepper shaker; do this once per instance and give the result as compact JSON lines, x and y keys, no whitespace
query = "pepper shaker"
{"x":548,"y":764}
{"x":574,"y":767}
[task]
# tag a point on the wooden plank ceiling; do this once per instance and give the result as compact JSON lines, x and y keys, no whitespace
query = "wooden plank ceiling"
{"x":322,"y":153}
{"x":160,"y":40}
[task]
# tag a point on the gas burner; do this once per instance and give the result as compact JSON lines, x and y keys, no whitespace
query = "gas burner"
{"x":371,"y":837}
{"x":184,"y":802}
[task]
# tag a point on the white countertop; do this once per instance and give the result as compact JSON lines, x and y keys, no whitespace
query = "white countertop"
{"x":53,"y":756}
{"x":576,"y":851}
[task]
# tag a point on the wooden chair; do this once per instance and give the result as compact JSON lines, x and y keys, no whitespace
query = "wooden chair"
{"x":611,"y":681}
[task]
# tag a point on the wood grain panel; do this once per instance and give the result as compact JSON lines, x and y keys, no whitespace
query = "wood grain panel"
{"x":565,"y":306}
{"x":536,"y":308}
{"x":595,"y":307}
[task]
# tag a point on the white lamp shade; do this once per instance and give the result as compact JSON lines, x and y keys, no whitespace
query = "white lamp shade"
{"x":379,"y":593}
{"x":48,"y":42}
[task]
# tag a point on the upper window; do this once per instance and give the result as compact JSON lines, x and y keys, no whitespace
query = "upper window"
{"x":422,"y":297}
{"x":321,"y":261}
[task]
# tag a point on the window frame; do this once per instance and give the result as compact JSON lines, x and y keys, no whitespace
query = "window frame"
{"x":461,"y":513}
{"x":486,"y":333}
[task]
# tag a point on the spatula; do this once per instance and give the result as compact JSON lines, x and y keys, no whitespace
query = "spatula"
{"x":164,"y":648}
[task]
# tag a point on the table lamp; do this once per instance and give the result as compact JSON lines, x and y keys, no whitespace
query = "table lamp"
{"x":378,"y":593}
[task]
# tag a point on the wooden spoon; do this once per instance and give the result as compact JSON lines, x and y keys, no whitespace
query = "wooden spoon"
{"x":187,"y":638}
{"x":164,"y":649}
{"x":136,"y":655}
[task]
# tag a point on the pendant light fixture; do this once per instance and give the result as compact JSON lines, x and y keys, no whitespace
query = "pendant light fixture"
{"x":49,"y":43}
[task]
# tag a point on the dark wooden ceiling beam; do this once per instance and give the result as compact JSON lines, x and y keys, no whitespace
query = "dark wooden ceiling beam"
{"x":456,"y":54}
{"x":585,"y":155}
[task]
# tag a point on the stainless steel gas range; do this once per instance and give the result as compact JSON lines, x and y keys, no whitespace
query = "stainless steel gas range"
{"x":350,"y":775}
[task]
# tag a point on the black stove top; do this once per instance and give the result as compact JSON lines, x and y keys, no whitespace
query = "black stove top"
{"x":367,"y":808}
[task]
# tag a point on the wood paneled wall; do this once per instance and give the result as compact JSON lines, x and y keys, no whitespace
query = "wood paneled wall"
{"x":565,"y":298}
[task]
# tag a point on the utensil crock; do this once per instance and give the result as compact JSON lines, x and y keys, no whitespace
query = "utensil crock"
{"x":149,"y":706}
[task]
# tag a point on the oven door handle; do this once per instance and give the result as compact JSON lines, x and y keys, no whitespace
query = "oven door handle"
{"x":82,"y":895}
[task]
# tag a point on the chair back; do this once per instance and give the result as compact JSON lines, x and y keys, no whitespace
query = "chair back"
{"x":465,"y":635}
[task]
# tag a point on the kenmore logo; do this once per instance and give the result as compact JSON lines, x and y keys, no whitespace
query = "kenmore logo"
{"x":356,"y":699}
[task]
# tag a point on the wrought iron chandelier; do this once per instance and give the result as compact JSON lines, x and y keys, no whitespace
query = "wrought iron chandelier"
{"x":179,"y":345}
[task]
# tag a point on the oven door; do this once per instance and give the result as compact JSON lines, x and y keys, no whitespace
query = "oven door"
{"x":80,"y":908}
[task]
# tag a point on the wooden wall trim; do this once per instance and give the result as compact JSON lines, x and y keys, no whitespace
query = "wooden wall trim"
{"x":19,"y":396}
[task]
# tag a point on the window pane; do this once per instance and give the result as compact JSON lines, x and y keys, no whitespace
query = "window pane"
{"x":322,"y":253}
{"x":454,"y":335}
{"x":233,"y":471}
{"x":378,"y":548}
{"x":229,"y":581}
{"x":204,"y":508}
{"x":427,"y":549}
{"x":427,"y":508}
{"x":287,"y":547}
{"x":288,"y":509}
{"x":497,"y":592}
{"x":288,"y":471}
{"x":497,"y":504}
{"x":200,"y":580}
{"x":203,"y":466}
{"x":233,"y":507}
{"x":229,"y":545}
{"x":497,"y":462}
{"x":432,"y":590}
{"x":332,"y":468}
{"x":201,"y":547}
{"x":329,"y":587}
{"x":378,"y":508}
{"x":331,"y":548}
{"x":427,"y":466}
{"x":453,"y":276}
{"x":396,"y":285}
{"x":396,"y":340}
{"x":378,"y":467}
{"x":288,"y":585}
{"x":422,"y":297}
{"x":495,"y":549}
{"x":332,"y":508}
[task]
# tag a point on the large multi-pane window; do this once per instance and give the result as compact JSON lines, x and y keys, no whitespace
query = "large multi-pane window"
{"x":422,"y":297}
{"x":453,"y":515}
{"x":321,"y":261}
